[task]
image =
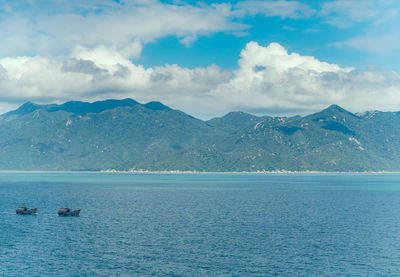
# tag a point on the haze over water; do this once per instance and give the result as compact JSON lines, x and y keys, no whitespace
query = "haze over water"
{"x":200,"y":224}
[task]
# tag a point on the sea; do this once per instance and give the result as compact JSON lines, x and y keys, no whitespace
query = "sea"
{"x":200,"y":224}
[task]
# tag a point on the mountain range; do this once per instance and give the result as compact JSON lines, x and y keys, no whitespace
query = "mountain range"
{"x":127,"y":135}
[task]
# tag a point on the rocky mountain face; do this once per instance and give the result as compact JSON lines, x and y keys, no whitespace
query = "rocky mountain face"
{"x":124,"y":135}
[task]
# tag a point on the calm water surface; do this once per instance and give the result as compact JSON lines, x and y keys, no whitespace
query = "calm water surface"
{"x":200,"y":225}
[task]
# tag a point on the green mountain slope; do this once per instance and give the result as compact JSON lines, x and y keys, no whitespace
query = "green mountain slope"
{"x":124,"y":134}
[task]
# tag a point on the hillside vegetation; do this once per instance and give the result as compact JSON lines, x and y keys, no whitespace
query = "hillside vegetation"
{"x":125,"y":135}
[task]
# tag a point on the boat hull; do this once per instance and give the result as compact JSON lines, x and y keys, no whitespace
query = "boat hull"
{"x":69,"y":213}
{"x":26,"y":211}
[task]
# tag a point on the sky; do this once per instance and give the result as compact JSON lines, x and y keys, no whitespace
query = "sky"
{"x":206,"y":58}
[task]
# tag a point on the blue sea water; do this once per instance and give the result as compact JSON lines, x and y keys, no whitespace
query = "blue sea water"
{"x":201,"y":224}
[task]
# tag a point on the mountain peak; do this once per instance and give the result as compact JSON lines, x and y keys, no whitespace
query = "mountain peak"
{"x":25,"y":108}
{"x":156,"y":106}
{"x":334,"y":110}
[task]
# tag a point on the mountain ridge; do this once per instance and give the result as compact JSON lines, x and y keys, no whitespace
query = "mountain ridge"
{"x":124,"y":135}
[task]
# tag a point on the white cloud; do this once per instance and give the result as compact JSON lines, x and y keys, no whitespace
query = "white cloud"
{"x":106,"y":58}
{"x":281,"y":8}
{"x":57,"y":27}
{"x":101,"y":74}
{"x":376,"y":42}
{"x":275,"y":56}
{"x":343,"y":13}
{"x":379,"y":20}
{"x":268,"y":80}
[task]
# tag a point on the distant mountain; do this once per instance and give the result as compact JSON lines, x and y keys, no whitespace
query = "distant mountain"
{"x":77,"y":107}
{"x":124,"y":135}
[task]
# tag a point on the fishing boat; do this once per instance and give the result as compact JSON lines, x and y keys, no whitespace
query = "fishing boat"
{"x":25,"y":210}
{"x":68,"y":212}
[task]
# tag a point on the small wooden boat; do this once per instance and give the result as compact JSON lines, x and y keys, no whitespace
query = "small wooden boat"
{"x":25,"y":210}
{"x":68,"y":212}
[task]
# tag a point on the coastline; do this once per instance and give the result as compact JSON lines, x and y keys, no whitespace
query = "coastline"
{"x":247,"y":172}
{"x":273,"y":172}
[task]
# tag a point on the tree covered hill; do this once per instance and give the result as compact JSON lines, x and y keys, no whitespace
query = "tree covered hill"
{"x":124,"y":135}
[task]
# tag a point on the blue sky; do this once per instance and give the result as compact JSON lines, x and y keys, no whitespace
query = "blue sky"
{"x":203,"y":57}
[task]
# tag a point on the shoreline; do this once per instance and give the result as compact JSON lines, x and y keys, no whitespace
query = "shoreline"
{"x":273,"y":172}
{"x":248,"y":172}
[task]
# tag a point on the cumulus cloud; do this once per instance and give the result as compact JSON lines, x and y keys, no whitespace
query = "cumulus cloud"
{"x":78,"y":77}
{"x":269,"y":80}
